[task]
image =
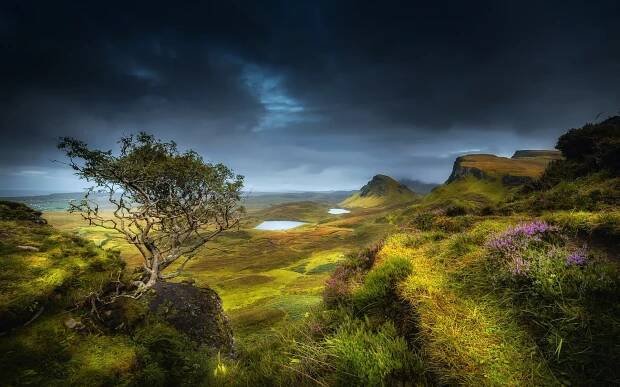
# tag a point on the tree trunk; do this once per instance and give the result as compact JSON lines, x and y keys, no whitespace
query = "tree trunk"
{"x":154,"y":273}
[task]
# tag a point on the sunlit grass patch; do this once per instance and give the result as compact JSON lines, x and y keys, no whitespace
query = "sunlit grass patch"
{"x":470,"y":193}
{"x":100,"y":360}
{"x":466,"y":338}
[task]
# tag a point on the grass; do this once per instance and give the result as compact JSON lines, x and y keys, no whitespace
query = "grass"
{"x":466,"y":338}
{"x":370,"y":201}
{"x":469,"y":193}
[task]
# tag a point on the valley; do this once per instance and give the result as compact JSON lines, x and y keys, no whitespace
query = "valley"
{"x":265,"y":277}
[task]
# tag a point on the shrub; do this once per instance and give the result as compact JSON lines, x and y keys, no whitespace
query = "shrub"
{"x":456,"y":210}
{"x":169,"y":357}
{"x":423,"y":220}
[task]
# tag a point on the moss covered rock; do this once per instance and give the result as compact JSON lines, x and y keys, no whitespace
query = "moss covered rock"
{"x":196,"y":312}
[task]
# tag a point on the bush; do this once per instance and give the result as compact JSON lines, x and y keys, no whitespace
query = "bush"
{"x":593,"y":147}
{"x":456,"y":210}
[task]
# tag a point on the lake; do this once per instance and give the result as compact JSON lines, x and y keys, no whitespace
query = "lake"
{"x":274,"y":225}
{"x":338,"y":211}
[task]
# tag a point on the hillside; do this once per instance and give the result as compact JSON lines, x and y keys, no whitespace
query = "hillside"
{"x":473,"y":290}
{"x":58,"y":328}
{"x":525,"y":166}
{"x":380,"y":191}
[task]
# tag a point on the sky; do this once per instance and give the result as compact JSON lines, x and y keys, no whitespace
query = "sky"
{"x":301,"y":95}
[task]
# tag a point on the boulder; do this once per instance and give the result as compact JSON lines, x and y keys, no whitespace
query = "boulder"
{"x":196,"y":312}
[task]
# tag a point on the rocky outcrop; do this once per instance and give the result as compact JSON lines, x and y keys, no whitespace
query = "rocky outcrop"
{"x":460,"y":171}
{"x":196,"y":312}
{"x":538,"y":153}
{"x":525,"y":166}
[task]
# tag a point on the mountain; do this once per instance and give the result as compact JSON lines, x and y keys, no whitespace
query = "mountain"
{"x":418,"y":186}
{"x":524,"y":166}
{"x":380,"y":191}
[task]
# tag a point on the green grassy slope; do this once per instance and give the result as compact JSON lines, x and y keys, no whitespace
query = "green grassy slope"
{"x":39,"y":283}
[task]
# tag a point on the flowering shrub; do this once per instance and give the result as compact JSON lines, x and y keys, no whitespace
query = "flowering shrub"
{"x":512,"y":244}
{"x":337,"y":287}
{"x":568,"y":292}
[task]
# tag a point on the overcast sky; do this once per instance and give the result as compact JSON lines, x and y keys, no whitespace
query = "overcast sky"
{"x":302,"y":95}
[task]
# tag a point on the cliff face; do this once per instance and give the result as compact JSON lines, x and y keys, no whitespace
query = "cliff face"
{"x":524,"y":166}
{"x":539,"y":154}
{"x":460,"y":170}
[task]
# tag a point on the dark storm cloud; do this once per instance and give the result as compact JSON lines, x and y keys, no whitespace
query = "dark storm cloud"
{"x":303,"y":95}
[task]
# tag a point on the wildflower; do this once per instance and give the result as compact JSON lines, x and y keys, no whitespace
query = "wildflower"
{"x":577,"y":258}
{"x":512,"y":239}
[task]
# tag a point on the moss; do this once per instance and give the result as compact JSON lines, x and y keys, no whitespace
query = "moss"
{"x":56,"y":269}
{"x":102,"y":360}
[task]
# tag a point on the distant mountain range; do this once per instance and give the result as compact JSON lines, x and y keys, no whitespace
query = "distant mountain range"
{"x":418,"y":186}
{"x":252,"y":200}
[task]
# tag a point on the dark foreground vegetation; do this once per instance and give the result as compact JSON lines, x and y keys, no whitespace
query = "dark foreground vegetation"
{"x":483,"y":284}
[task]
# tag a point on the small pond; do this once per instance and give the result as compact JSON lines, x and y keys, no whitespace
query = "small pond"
{"x":274,"y":225}
{"x":338,"y":211}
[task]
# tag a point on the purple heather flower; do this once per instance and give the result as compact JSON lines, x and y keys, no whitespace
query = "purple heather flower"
{"x":577,"y":258}
{"x":508,"y":241}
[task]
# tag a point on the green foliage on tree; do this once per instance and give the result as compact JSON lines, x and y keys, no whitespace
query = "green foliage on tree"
{"x":165,"y":202}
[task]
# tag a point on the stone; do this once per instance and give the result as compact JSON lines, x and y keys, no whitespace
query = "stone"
{"x":196,"y":312}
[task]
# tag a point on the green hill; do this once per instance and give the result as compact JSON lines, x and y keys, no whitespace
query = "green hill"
{"x":380,"y":191}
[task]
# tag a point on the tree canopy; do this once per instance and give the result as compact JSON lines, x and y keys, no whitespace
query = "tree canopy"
{"x":165,"y":202}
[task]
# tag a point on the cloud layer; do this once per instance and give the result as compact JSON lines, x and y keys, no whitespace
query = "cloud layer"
{"x":302,"y":95}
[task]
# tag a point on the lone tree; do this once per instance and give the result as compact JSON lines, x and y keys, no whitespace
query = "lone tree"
{"x":164,"y":202}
